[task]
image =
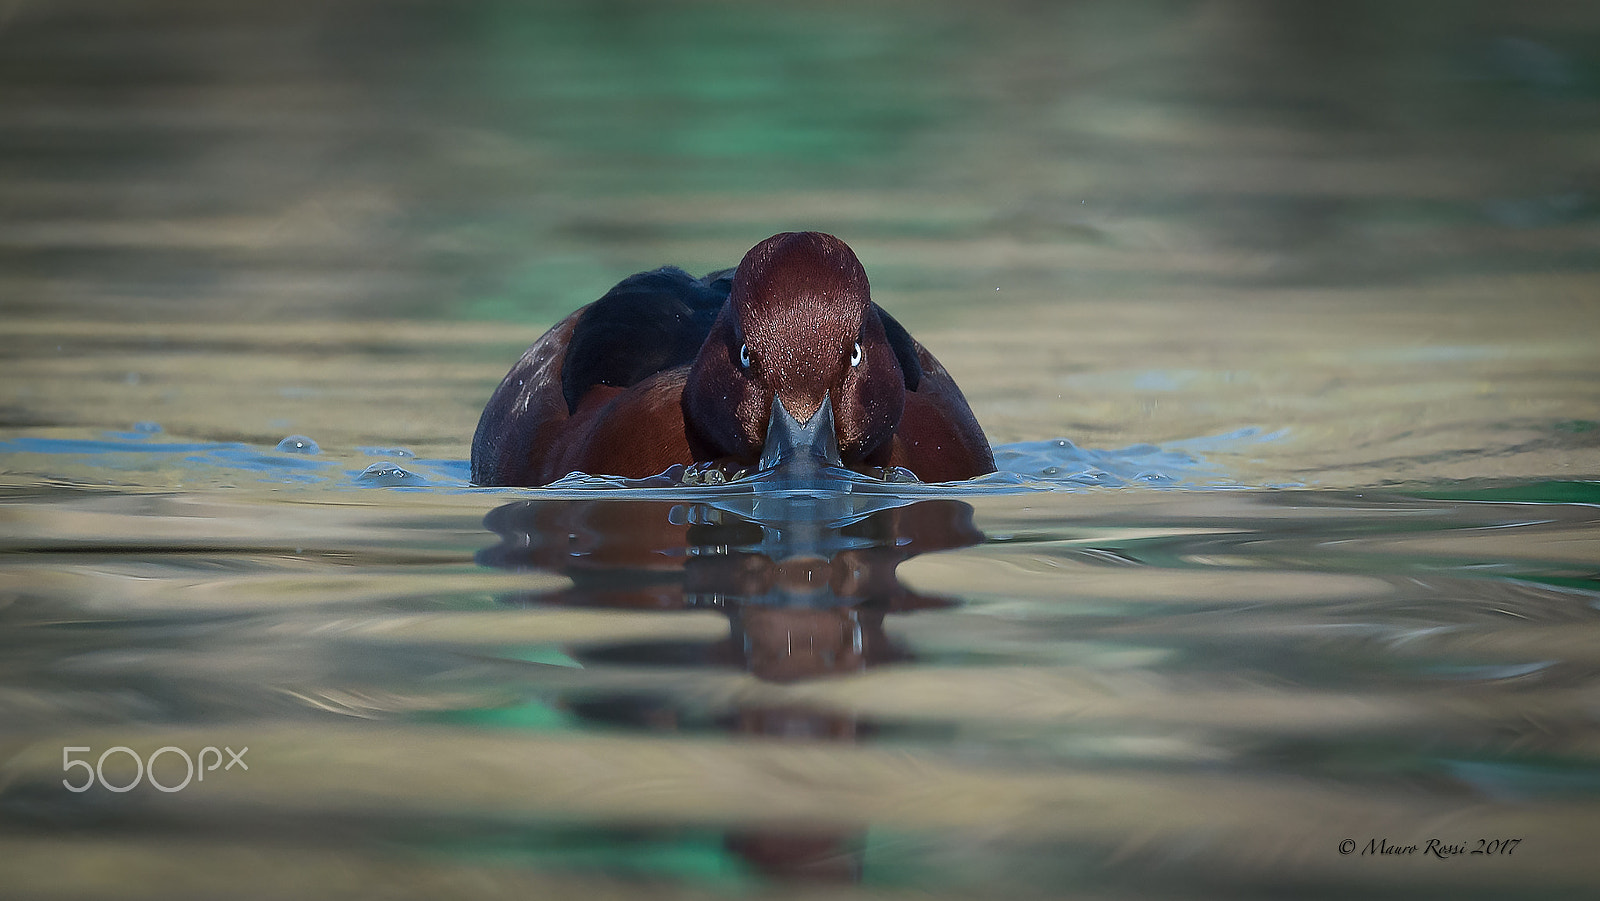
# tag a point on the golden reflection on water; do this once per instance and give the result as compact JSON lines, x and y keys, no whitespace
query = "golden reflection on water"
{"x":772,"y":691}
{"x":1462,"y":384}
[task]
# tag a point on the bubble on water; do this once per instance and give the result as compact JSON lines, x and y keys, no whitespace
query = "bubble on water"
{"x":387,"y":452}
{"x":298,"y":444}
{"x":388,"y":475}
{"x":146,"y":427}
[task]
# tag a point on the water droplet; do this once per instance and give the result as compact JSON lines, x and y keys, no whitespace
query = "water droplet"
{"x":388,"y":475}
{"x":298,"y":444}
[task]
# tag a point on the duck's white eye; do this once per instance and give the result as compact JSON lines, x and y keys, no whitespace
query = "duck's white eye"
{"x":744,"y":355}
{"x":855,"y":354}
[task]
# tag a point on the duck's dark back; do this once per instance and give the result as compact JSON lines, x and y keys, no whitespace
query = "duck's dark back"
{"x":648,"y":323}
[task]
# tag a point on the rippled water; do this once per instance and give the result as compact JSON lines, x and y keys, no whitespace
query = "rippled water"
{"x":1282,"y":321}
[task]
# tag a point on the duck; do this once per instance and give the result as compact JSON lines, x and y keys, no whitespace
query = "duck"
{"x":780,"y":360}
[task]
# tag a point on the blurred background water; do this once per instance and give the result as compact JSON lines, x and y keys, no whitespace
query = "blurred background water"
{"x":1282,"y":317}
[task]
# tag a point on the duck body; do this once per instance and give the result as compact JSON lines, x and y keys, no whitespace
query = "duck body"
{"x":784,"y":355}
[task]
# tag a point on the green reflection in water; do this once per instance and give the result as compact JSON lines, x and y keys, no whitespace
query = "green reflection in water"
{"x":529,"y":715}
{"x":686,"y":98}
{"x":1534,"y":493}
{"x":562,"y":283}
{"x":694,"y":855}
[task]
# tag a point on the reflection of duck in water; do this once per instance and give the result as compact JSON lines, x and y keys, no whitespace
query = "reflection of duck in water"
{"x":805,"y":587}
{"x":804,"y":598}
{"x":785,"y":354}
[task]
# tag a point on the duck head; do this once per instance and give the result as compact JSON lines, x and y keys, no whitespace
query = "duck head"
{"x":798,"y":364}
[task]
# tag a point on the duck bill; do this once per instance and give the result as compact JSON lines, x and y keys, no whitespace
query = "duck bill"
{"x":792,"y":442}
